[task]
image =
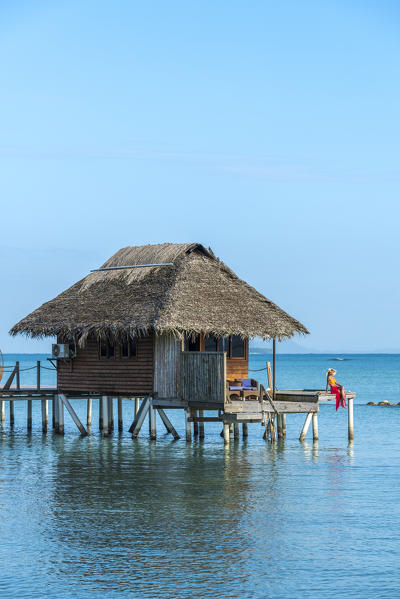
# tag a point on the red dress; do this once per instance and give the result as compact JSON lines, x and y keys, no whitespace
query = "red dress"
{"x":339,"y":399}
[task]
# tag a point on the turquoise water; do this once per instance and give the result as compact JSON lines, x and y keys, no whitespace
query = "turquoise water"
{"x":112,"y":518}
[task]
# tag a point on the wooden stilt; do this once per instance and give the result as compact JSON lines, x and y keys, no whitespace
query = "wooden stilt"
{"x":56,"y":412}
{"x":167,"y":423}
{"x":60,"y":416}
{"x":53,"y":412}
{"x":273,"y":427}
{"x":2,"y":411}
{"x":226,"y":433}
{"x":279,"y":422}
{"x":101,"y":422}
{"x":315,"y":426}
{"x":152,"y":422}
{"x":120,"y":418}
{"x":139,"y":418}
{"x":65,"y":402}
{"x":245,"y":432}
{"x":201,"y":425}
{"x":195,"y":424}
{"x":283,"y":425}
{"x":137,"y":405}
{"x":236,"y":430}
{"x":110,"y":407}
{"x":89,"y":412}
{"x":106,"y":417}
{"x":305,"y":427}
{"x":188,"y":430}
{"x":29,"y":415}
{"x":12,"y":419}
{"x":231,"y":430}
{"x":350,"y":416}
{"x":45,"y":415}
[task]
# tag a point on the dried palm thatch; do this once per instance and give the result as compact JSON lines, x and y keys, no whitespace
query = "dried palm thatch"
{"x":197,"y":294}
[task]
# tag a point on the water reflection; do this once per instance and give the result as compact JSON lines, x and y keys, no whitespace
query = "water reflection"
{"x":131,"y":504}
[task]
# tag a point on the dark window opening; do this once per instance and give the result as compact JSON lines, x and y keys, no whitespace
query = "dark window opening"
{"x":224,"y":345}
{"x":192,"y":343}
{"x":107,"y":349}
{"x":128,"y":348}
{"x":238,"y":349}
{"x":210,"y":343}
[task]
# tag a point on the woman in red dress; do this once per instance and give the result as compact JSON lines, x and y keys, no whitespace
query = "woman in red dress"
{"x":337,"y":389}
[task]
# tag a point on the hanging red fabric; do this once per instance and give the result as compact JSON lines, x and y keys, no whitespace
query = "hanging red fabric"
{"x":339,"y":399}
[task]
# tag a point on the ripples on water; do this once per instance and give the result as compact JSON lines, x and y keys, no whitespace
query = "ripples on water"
{"x":115,"y":518}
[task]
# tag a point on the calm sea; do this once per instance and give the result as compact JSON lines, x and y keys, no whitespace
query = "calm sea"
{"x":116,"y":518}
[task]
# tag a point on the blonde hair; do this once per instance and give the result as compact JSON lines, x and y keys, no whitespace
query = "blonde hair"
{"x":330,"y":371}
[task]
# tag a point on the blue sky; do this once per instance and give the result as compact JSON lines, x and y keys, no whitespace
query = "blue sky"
{"x":266,"y":130}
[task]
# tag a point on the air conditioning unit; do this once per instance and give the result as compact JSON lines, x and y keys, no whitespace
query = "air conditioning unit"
{"x":61,"y":350}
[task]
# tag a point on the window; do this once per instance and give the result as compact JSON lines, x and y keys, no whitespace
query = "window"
{"x":106,"y":349}
{"x":223,"y":345}
{"x":128,"y":348}
{"x":192,"y":343}
{"x":210,"y":343}
{"x":237,"y":349}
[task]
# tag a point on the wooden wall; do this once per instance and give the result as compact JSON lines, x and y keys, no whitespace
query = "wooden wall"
{"x":167,"y":365}
{"x":203,"y":376}
{"x":87,"y":372}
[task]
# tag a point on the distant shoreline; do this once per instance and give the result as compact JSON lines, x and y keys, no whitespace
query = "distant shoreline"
{"x":254,"y":352}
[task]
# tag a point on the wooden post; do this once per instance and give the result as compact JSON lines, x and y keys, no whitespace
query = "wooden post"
{"x":38,"y":375}
{"x":2,"y":411}
{"x":137,"y":405}
{"x":65,"y":402}
{"x":274,"y":423}
{"x":195,"y":424}
{"x":29,"y":415}
{"x":188,"y":430}
{"x":269,"y":375}
{"x":350,"y":416}
{"x":139,"y":418}
{"x":45,"y":415}
{"x":110,"y":407}
{"x":231,"y":430}
{"x":279,"y":421}
{"x":236,"y":430}
{"x":283,"y":416}
{"x":167,"y":423}
{"x":152,"y":422}
{"x":106,"y":416}
{"x":226,"y":433}
{"x":273,"y":368}
{"x":315,"y":426}
{"x":201,"y":425}
{"x":60,"y":416}
{"x":18,"y":376}
{"x":55,"y":413}
{"x":89,"y":412}
{"x":120,"y":417}
{"x":305,"y":427}
{"x":101,"y":422}
{"x":11,"y":413}
{"x":245,"y":432}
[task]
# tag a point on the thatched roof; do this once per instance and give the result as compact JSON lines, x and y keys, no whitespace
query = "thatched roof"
{"x":198,"y":293}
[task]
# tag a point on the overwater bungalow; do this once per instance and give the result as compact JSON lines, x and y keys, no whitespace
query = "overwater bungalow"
{"x":169,"y":323}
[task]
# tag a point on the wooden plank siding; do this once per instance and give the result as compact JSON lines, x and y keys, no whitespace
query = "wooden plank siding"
{"x":203,"y":377}
{"x":167,"y":365}
{"x":88,"y":373}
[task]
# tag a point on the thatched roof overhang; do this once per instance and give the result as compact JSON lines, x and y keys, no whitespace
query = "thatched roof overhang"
{"x":197,"y":294}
